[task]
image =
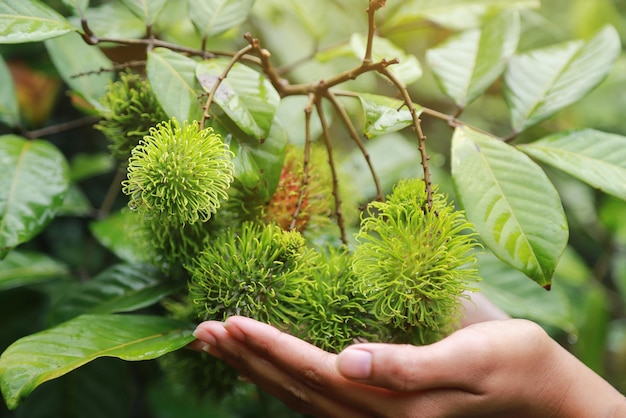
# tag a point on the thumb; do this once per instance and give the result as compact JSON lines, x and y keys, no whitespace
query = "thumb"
{"x":458,"y":361}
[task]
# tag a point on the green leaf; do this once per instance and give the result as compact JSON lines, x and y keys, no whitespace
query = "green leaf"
{"x":384,"y":115}
{"x":594,"y":157}
{"x":114,"y":20}
{"x":541,"y":82}
{"x":512,"y":292}
{"x":258,"y":165}
{"x":30,"y":21}
{"x":173,"y":79}
{"x":103,"y":388}
{"x":511,"y":201}
{"x":213,"y":17}
{"x":75,"y":203}
{"x":49,"y":354}
{"x":452,"y":14}
{"x":468,"y":63}
{"x":80,"y":66}
{"x":115,"y":233}
{"x":9,"y":110}
{"x":121,"y":288}
{"x":148,"y":10}
{"x":245,"y":96}
{"x":408,"y":70}
{"x":32,"y":187}
{"x":23,"y":268}
{"x":77,"y":6}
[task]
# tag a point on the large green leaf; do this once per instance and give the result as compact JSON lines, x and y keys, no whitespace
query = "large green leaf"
{"x":245,"y":96}
{"x":213,"y":17}
{"x":114,"y":20}
{"x":408,"y":70}
{"x":384,"y":114}
{"x":512,"y":292}
{"x":49,"y":354}
{"x":9,"y":110}
{"x":148,"y":10}
{"x":173,"y":79}
{"x":115,"y":233}
{"x":22,"y":268}
{"x":30,"y":21}
{"x":541,"y":82}
{"x":120,"y":288}
{"x":32,"y":186}
{"x":597,"y":158}
{"x":453,"y":14}
{"x":77,"y":6}
{"x":81,"y":66}
{"x":511,"y":201}
{"x":467,"y":64}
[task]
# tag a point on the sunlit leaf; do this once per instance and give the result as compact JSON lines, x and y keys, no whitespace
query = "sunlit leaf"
{"x":467,"y":64}
{"x":77,"y":6}
{"x":148,"y":10}
{"x":9,"y":110}
{"x":173,"y":79}
{"x":81,"y":66}
{"x":120,"y":288}
{"x":511,"y":201}
{"x":115,"y":233}
{"x":452,"y":14}
{"x":49,"y":354}
{"x":384,"y":114}
{"x":114,"y":20}
{"x":541,"y":82}
{"x":32,"y":186}
{"x":408,"y":70}
{"x":245,"y":95}
{"x":594,"y":157}
{"x":23,"y":268}
{"x":213,"y":17}
{"x":30,"y":21}
{"x":512,"y":292}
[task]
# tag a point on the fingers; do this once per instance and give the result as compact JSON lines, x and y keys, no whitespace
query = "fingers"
{"x":249,"y":346}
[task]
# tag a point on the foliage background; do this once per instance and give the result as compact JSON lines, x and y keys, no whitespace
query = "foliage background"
{"x":585,"y":310}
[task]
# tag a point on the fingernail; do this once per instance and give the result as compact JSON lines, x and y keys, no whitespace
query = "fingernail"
{"x":355,"y":364}
{"x":205,"y":336}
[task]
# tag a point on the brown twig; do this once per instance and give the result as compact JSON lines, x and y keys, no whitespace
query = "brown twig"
{"x":305,"y":164}
{"x":333,"y":170}
{"x":61,"y":127}
{"x":207,"y":106}
{"x":357,"y":140}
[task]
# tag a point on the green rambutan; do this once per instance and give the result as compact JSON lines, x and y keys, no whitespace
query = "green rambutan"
{"x":130,"y":109}
{"x":415,"y":262}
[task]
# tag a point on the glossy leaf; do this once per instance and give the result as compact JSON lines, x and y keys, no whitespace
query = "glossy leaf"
{"x":121,"y":288}
{"x":452,"y":14}
{"x":30,"y":21}
{"x":173,"y":79}
{"x":80,"y":66}
{"x":9,"y":110}
{"x":32,"y":187}
{"x":49,"y":354}
{"x":511,"y":201}
{"x":408,"y":70}
{"x":541,"y":82}
{"x":115,"y":233}
{"x":467,"y":64}
{"x":148,"y":10}
{"x":23,"y":268}
{"x":384,"y":115}
{"x":75,"y":203}
{"x":512,"y":292}
{"x":245,"y":96}
{"x":594,"y":157}
{"x":213,"y":17}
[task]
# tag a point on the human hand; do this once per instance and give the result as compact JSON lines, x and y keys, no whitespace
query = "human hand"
{"x":508,"y":368}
